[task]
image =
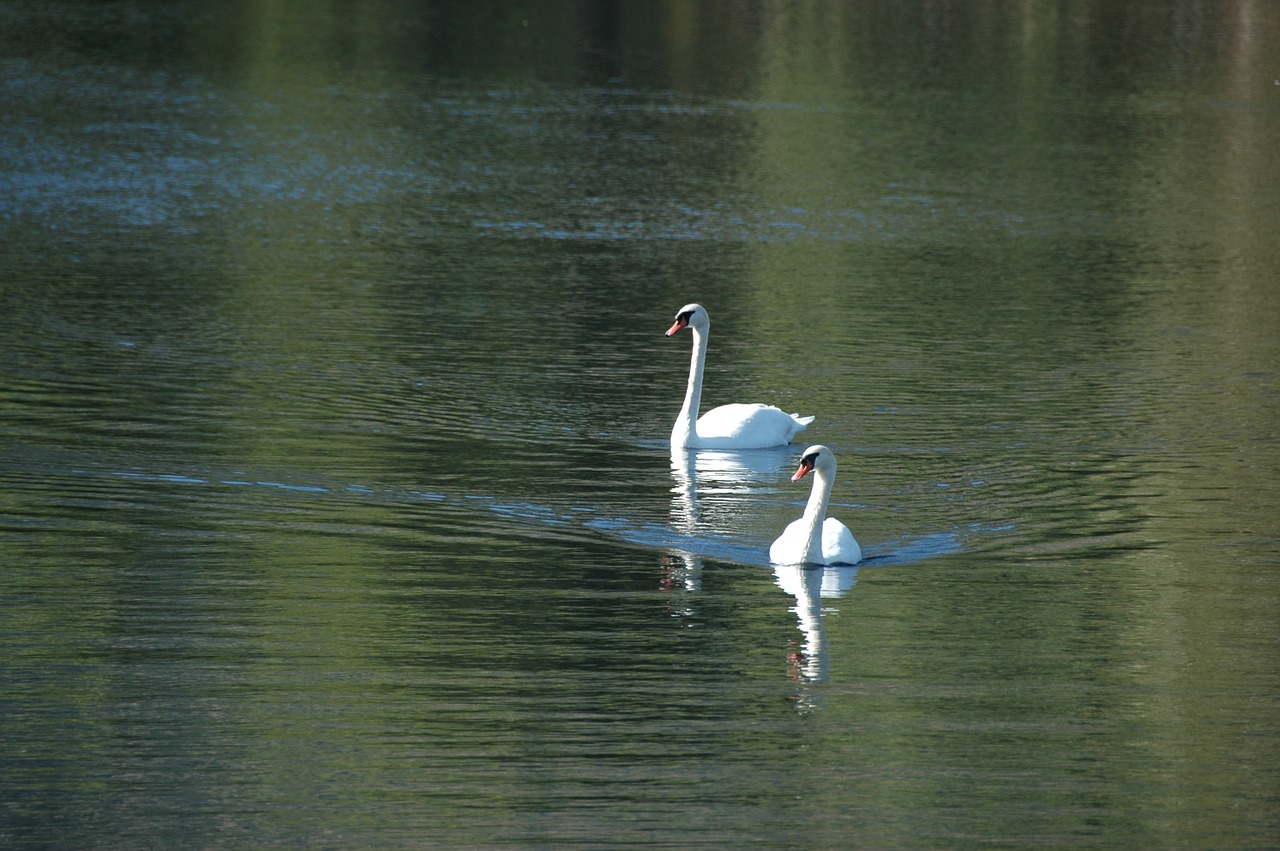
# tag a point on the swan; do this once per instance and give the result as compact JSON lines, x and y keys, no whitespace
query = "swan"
{"x":816,"y":538}
{"x":736,"y":426}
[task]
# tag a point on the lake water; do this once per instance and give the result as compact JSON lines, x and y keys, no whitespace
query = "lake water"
{"x":336,"y":501}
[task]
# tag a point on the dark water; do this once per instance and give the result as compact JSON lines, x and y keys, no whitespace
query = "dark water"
{"x":337,"y":508}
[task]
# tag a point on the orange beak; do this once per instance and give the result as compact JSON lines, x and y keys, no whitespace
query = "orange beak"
{"x":676,"y":326}
{"x":806,"y":467}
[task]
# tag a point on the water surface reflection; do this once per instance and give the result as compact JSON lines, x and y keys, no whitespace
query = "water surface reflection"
{"x":810,"y":586}
{"x":715,"y":491}
{"x":335,"y":506}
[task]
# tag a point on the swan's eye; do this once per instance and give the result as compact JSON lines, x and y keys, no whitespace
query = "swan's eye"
{"x":810,"y":459}
{"x":685,"y":317}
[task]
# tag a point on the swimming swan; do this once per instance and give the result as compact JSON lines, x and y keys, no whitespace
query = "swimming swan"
{"x":816,"y":538}
{"x":736,"y":426}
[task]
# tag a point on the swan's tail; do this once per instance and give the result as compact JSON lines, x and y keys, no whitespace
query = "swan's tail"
{"x":803,"y":421}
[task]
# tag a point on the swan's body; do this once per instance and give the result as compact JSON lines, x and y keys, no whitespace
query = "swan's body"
{"x":736,"y":426}
{"x":816,"y":538}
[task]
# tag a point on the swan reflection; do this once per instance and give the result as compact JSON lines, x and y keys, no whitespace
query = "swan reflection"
{"x":810,"y":585}
{"x":681,"y":571}
{"x":724,"y":480}
{"x":710,"y":496}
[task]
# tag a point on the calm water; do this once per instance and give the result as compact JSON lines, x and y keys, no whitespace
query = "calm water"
{"x":337,"y":507}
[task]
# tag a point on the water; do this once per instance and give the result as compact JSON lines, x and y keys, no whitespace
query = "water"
{"x":337,"y":508}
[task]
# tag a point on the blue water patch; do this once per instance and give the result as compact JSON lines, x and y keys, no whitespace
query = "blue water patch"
{"x":288,"y":487}
{"x":913,"y":548}
{"x":528,"y":511}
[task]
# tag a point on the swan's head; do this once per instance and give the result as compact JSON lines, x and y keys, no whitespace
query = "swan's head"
{"x":690,"y":314}
{"x":815,"y":457}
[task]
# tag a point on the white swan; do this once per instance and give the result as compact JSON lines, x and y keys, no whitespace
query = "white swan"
{"x":736,"y":426}
{"x":816,"y":538}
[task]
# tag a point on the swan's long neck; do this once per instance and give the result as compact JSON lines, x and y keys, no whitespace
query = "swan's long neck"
{"x":815,"y":511}
{"x":686,"y":424}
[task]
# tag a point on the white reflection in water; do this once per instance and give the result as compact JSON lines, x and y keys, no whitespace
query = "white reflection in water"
{"x":725,"y":480}
{"x":681,"y":571}
{"x":810,"y":585}
{"x":684,"y":501}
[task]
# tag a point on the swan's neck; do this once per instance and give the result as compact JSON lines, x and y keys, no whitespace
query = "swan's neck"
{"x":815,"y":512}
{"x":685,"y":428}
